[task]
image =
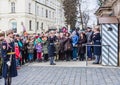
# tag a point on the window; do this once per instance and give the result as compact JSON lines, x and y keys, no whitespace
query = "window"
{"x":29,"y":7}
{"x":30,"y":25}
{"x":37,"y":25}
{"x":13,"y":7}
{"x":37,"y":10}
{"x":14,"y":26}
{"x":46,"y":13}
{"x":46,"y":2}
{"x":42,"y":12}
{"x":53,"y":15}
{"x":50,"y":14}
{"x":42,"y":25}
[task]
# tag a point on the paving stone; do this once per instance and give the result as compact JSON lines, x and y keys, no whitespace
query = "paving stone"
{"x":35,"y":74}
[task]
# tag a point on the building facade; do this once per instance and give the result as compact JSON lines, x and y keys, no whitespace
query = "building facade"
{"x":109,"y":8}
{"x":33,"y":15}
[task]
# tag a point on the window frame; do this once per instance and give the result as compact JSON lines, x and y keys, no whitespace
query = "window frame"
{"x":30,"y":25}
{"x":29,"y":8}
{"x":46,"y":13}
{"x":12,"y":7}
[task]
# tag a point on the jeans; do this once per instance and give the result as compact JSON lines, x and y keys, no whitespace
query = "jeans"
{"x":51,"y":60}
{"x":30,"y":56}
{"x":74,"y":52}
{"x":89,"y":52}
{"x":18,"y":62}
{"x":97,"y":58}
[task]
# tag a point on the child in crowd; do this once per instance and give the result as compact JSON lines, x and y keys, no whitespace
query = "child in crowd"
{"x":39,"y":51}
{"x":57,"y":48}
{"x":45,"y":48}
{"x":30,"y":48}
{"x":17,"y":55}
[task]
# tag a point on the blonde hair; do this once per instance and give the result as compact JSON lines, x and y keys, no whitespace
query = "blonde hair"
{"x":97,"y":28}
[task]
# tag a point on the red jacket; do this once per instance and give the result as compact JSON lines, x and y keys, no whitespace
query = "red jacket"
{"x":17,"y":52}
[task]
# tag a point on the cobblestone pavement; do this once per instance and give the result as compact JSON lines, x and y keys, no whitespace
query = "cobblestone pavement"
{"x":66,"y":73}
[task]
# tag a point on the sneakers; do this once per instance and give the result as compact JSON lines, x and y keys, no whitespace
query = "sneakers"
{"x":95,"y":63}
{"x":89,"y":59}
{"x":53,"y":64}
{"x":0,"y":77}
{"x":74,"y":59}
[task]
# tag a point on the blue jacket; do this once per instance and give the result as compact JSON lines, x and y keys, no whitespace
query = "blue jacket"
{"x":75,"y":39}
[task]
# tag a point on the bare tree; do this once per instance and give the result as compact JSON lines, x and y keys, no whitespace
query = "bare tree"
{"x":70,"y":8}
{"x":83,"y":14}
{"x":80,"y":12}
{"x":86,"y":18}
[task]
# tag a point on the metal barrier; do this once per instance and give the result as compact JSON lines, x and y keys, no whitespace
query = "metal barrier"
{"x":96,"y":46}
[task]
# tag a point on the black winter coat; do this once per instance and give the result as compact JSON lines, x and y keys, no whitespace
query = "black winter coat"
{"x":12,"y":71}
{"x":81,"y":46}
{"x":51,"y":46}
{"x":97,"y":41}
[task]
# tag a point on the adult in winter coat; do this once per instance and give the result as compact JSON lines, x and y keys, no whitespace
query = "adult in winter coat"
{"x":61,"y":49}
{"x":68,"y":47}
{"x":81,"y":46}
{"x":45,"y":48}
{"x":89,"y":35}
{"x":9,"y":61}
{"x":1,"y":39}
{"x":57,"y":49}
{"x":97,"y":41}
{"x":25,"y":51}
{"x":0,"y":62}
{"x":51,"y":47}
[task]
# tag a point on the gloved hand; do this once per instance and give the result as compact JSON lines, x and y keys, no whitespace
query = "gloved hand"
{"x":9,"y":63}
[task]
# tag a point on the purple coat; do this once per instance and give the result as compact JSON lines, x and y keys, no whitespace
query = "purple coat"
{"x":38,"y":48}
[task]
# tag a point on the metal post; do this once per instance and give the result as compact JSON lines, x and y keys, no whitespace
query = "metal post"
{"x":96,"y":45}
{"x":86,"y":56}
{"x":108,"y":55}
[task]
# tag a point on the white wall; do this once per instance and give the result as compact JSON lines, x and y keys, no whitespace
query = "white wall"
{"x":22,"y":14}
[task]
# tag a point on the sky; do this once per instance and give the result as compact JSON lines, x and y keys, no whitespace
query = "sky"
{"x":92,"y":6}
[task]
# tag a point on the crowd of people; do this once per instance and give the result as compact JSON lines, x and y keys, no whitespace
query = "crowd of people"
{"x":50,"y":46}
